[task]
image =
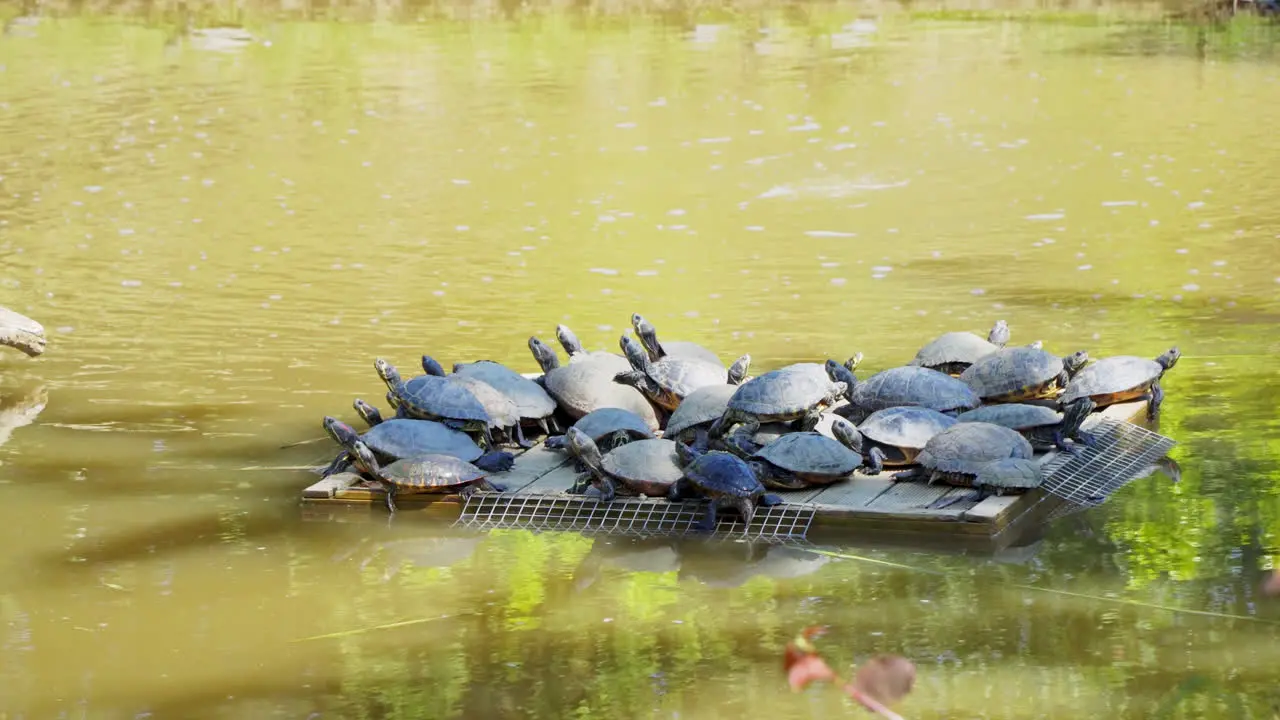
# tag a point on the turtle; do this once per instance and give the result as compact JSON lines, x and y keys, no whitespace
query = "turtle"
{"x":957,"y":454}
{"x":367,"y":412}
{"x":503,"y":412}
{"x":1022,"y":373}
{"x":676,"y":348}
{"x":906,"y":385}
{"x":723,"y":478}
{"x":953,"y":352}
{"x":999,"y":477}
{"x":645,"y":467}
{"x":699,"y":409}
{"x":400,"y":438}
{"x":577,"y":353}
{"x":609,"y":428}
{"x":535,"y":406}
{"x":791,"y":393}
{"x":667,"y":381}
{"x":580,"y":387}
{"x":803,"y":459}
{"x":1123,"y":377}
{"x":428,"y":397}
{"x":421,"y":474}
{"x":900,"y":433}
{"x":1042,"y":426}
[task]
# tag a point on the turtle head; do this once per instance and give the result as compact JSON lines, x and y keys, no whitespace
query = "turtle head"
{"x":999,"y":334}
{"x":580,"y":445}
{"x":431,"y":367}
{"x":1075,"y":413}
{"x":543,"y":353}
{"x":738,"y":370}
{"x":568,"y":340}
{"x":387,"y":372}
{"x":1036,"y":345}
{"x":1075,"y":362}
{"x":342,"y":433}
{"x":852,"y":363}
{"x":634,"y":378}
{"x":634,"y":352}
{"x":842,"y":375}
{"x":362,"y":457}
{"x":1169,"y":358}
{"x":847,"y":434}
{"x":367,"y":412}
{"x":648,"y":335}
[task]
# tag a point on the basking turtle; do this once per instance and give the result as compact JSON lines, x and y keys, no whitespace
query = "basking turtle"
{"x":421,"y":474}
{"x":503,"y":413}
{"x":609,"y":428}
{"x":535,"y":406}
{"x":431,"y":367}
{"x":795,"y":392}
{"x":953,"y":352}
{"x":956,"y":455}
{"x":999,"y":477}
{"x":367,"y":412}
{"x":852,"y":363}
{"x":669,"y":380}
{"x":428,"y":397}
{"x":580,"y":387}
{"x":645,"y":467}
{"x":675,"y":349}
{"x":1121,"y":378}
{"x":723,"y":478}
{"x":1022,"y":373}
{"x":900,"y":433}
{"x":573,"y":348}
{"x":906,"y":385}
{"x":699,"y":409}
{"x":400,"y":438}
{"x":1043,"y":427}
{"x":803,"y":459}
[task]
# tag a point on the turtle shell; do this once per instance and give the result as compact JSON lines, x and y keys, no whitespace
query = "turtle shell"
{"x":581,"y":387}
{"x":723,"y":475}
{"x":1015,"y":416}
{"x":400,"y":438}
{"x":685,"y":350}
{"x":1118,"y":375}
{"x":501,"y":409}
{"x":966,"y":447}
{"x":1009,"y":474}
{"x":606,"y":421}
{"x":1014,"y":374}
{"x":811,"y":455}
{"x":434,"y":396}
{"x":962,"y":348}
{"x":683,"y":376}
{"x":431,"y":472}
{"x":704,"y":405}
{"x":787,"y":391}
{"x":905,"y":428}
{"x":531,"y":400}
{"x":648,"y":467}
{"x":912,"y":385}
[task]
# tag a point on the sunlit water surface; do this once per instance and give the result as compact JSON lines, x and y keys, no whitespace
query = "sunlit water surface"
{"x":221,"y":240}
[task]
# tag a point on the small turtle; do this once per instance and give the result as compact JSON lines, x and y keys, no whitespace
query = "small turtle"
{"x":900,"y":433}
{"x":645,"y":467}
{"x":896,"y":387}
{"x":803,"y":459}
{"x":573,"y":348}
{"x":580,"y":387}
{"x":699,"y":409}
{"x":367,"y":412}
{"x":536,"y":407}
{"x":1044,"y":428}
{"x":797,"y":392}
{"x":503,"y":413}
{"x":852,"y":363}
{"x":400,"y":438}
{"x":1022,"y":373}
{"x":956,"y":455}
{"x":609,"y":428}
{"x":421,"y":474}
{"x":428,"y":397}
{"x":1121,"y":378}
{"x":675,"y":349}
{"x":723,"y":478}
{"x":669,"y":380}
{"x":953,"y":352}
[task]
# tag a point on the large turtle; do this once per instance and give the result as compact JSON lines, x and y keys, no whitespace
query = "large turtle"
{"x":400,"y":438}
{"x":586,"y":385}
{"x":535,"y":406}
{"x":723,"y":478}
{"x":609,"y":428}
{"x":700,"y":408}
{"x":1044,"y":428}
{"x":669,"y":380}
{"x":900,"y":433}
{"x":577,"y":353}
{"x":953,"y":352}
{"x":675,"y":348}
{"x":645,"y":467}
{"x":503,"y":412}
{"x":956,"y":455}
{"x":999,"y":477}
{"x":421,"y":474}
{"x":906,"y":385}
{"x":1022,"y":373}
{"x":1121,"y":378}
{"x":804,"y":459}
{"x":428,"y":397}
{"x":792,"y":393}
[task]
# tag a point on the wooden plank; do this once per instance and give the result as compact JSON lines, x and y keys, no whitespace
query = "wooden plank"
{"x":555,"y":482}
{"x":531,"y":465}
{"x":993,"y":508}
{"x":857,"y":492}
{"x":328,"y":487}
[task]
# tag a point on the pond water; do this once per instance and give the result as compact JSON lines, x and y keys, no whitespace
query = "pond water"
{"x":221,"y":239}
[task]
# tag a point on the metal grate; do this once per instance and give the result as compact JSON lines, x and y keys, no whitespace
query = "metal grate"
{"x":1125,"y":452}
{"x":635,"y":517}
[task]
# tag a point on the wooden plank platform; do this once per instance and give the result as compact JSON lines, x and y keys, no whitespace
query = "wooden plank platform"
{"x":874,"y":504}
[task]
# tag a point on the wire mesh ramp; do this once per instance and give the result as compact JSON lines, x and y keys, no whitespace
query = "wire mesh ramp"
{"x":636,"y":517}
{"x":1085,"y":479}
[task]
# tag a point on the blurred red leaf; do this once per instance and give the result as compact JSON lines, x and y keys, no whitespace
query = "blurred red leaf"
{"x":1271,"y":586}
{"x":881,"y":681}
{"x":802,"y":662}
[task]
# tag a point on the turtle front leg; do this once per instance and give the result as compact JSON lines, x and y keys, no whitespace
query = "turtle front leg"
{"x":520,"y":439}
{"x":678,"y":491}
{"x":874,"y":462}
{"x":708,"y":523}
{"x":607,"y":490}
{"x":1060,"y":442}
{"x":809,"y":420}
{"x":915,"y":473}
{"x":337,"y":465}
{"x":731,"y":417}
{"x":1157,"y":399}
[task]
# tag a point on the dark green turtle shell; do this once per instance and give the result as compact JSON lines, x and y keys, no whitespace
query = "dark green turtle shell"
{"x":434,"y":396}
{"x":1016,"y":416}
{"x":913,"y":385}
{"x":682,"y":376}
{"x":1113,"y":375}
{"x":904,"y":426}
{"x":532,"y":401}
{"x":966,"y":447}
{"x":431,"y":472}
{"x":399,"y":438}
{"x":719,"y":474}
{"x":1012,"y":371}
{"x":789,"y":390}
{"x":704,"y":405}
{"x":603,"y":422}
{"x":810,"y":453}
{"x":648,"y":467}
{"x":1009,"y":474}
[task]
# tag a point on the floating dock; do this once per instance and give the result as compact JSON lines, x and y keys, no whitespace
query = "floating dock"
{"x":535,"y":498}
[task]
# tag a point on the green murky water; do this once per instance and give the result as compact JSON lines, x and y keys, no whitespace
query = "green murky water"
{"x":220,"y":240}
